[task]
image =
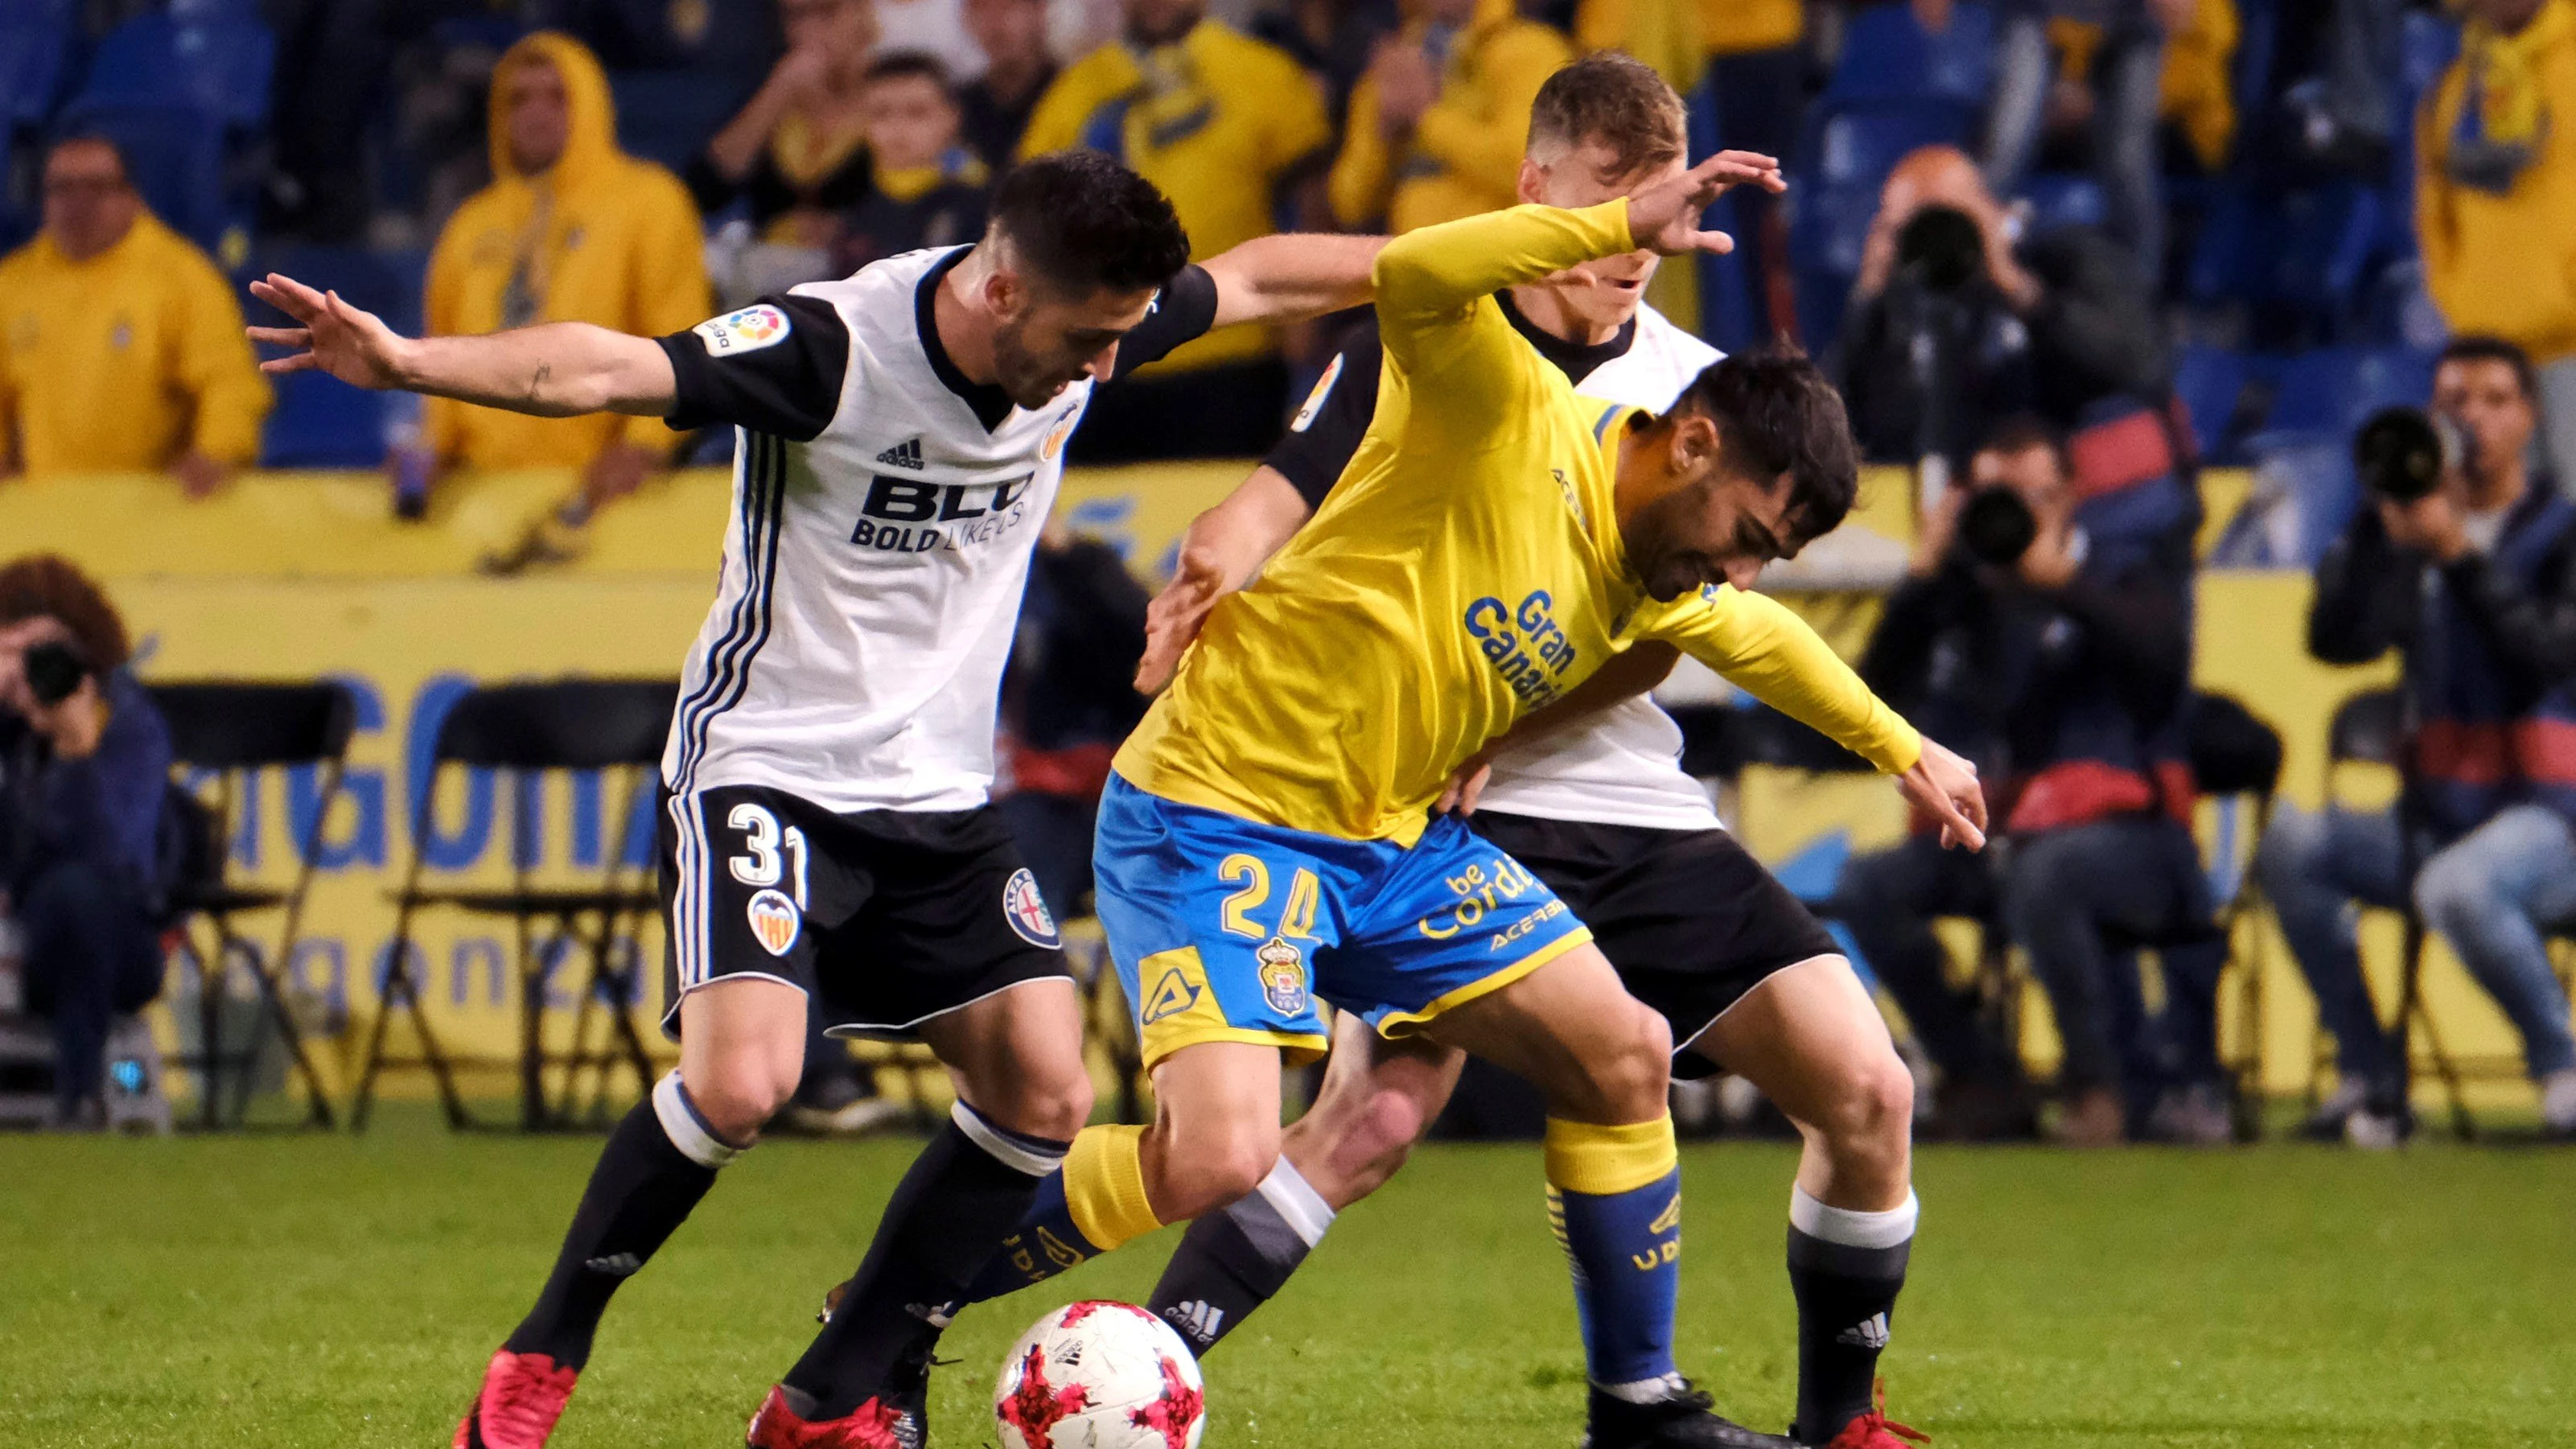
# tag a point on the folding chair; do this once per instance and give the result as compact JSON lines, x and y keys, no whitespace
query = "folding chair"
{"x":231,"y":732}
{"x":527,"y":731}
{"x":2236,"y":761}
{"x":2369,"y":728}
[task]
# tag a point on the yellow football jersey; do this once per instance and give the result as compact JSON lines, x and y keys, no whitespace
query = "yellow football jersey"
{"x":1467,"y":570}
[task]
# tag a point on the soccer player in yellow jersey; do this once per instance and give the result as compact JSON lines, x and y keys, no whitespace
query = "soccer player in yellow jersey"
{"x":1269,"y":839}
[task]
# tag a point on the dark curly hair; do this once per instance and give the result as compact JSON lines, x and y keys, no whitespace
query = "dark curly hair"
{"x":1080,"y":221}
{"x":1776,"y":413}
{"x":43,"y":585}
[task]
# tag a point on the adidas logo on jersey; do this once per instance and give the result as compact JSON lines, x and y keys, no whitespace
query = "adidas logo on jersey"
{"x":615,"y":1265}
{"x":1870,"y":1332}
{"x":1196,"y":1319}
{"x":906,"y":454}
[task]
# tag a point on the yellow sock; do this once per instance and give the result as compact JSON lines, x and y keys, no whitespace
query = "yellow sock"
{"x":1104,"y":1186}
{"x":1603,"y":1161}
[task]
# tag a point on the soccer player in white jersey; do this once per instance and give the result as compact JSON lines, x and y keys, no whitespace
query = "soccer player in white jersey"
{"x":1591,"y":798}
{"x":901,"y":436}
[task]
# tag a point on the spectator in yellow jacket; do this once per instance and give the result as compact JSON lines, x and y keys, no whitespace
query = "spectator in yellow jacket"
{"x":570,"y":230}
{"x":2496,"y":196}
{"x":1220,"y":121}
{"x":1438,"y":124}
{"x":121,"y":346}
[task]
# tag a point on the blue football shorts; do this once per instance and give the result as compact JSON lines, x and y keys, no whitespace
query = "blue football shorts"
{"x":1226,"y":929}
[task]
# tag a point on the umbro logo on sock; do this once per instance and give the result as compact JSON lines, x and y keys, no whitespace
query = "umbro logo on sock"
{"x":1197,"y":1319}
{"x":615,"y":1265}
{"x":906,"y":454}
{"x":1870,"y":1332}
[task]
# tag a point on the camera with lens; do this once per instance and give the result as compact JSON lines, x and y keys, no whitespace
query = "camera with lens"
{"x":1941,"y":249}
{"x":2401,"y":453}
{"x":1996,"y":527}
{"x":54,"y":672}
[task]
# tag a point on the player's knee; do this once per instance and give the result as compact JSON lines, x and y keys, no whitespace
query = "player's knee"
{"x":1054,"y":1109}
{"x":1628,"y":1081}
{"x":1207,"y":1169}
{"x":737,"y":1097}
{"x":1871,"y":1111}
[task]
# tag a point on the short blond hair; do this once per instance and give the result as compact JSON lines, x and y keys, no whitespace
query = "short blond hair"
{"x":1612,"y":98}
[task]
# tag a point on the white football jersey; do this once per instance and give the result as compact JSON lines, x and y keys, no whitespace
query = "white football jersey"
{"x":1625,"y":767}
{"x":884,"y":512}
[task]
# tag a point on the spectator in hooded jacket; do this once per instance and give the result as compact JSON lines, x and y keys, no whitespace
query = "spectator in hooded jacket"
{"x":570,"y":230}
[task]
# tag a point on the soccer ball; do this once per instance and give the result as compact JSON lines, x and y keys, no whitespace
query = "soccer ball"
{"x":1100,"y":1376}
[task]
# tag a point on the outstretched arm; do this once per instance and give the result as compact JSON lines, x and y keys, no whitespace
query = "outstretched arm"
{"x":1219,"y":554}
{"x":1291,"y":276}
{"x":558,"y":369}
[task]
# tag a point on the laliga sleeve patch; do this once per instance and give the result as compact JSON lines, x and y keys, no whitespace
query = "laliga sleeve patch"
{"x":1315,"y":400}
{"x":748,"y":330}
{"x":775,"y":922}
{"x":1026,"y":910}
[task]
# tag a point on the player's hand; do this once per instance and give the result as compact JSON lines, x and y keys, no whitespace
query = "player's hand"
{"x":1465,"y":788}
{"x":1172,"y":620}
{"x":1665,"y":217}
{"x":1946,"y":785}
{"x":347,"y":342}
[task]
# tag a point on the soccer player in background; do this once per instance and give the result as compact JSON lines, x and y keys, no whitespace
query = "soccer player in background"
{"x":828,"y":834}
{"x":1266,"y":839}
{"x":1591,"y":796}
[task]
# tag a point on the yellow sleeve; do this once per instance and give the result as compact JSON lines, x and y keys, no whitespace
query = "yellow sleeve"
{"x":1056,"y":124}
{"x":1362,"y":176}
{"x":9,"y":458}
{"x":1602,"y":24}
{"x":217,"y":368}
{"x":1299,"y":124}
{"x":1769,"y":652}
{"x":2433,"y":236}
{"x":1487,"y":149}
{"x":671,"y":290}
{"x":1435,"y":307}
{"x":442,"y":420}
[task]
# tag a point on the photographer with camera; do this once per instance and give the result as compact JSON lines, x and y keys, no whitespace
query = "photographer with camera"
{"x":1957,"y":322}
{"x":2465,"y":562}
{"x":84,"y":766}
{"x":2053,"y":627}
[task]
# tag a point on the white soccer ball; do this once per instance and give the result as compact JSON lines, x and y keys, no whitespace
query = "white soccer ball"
{"x":1100,"y":1376}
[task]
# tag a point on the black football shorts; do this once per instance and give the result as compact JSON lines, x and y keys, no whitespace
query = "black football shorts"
{"x":1689,"y":919}
{"x":884,"y":918}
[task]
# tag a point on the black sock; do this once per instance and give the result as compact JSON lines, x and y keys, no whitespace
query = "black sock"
{"x":648,"y":1179}
{"x":1230,"y":1263}
{"x":1846,"y":1294}
{"x":966,"y":1190}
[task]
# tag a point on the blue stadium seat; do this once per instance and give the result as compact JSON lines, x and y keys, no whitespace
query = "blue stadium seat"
{"x":2325,"y":393}
{"x":2302,"y":256}
{"x":36,"y":51}
{"x":1886,"y":52}
{"x":213,"y":58}
{"x":2212,"y":381}
{"x":2427,"y":46}
{"x":2063,"y":198}
{"x":669,"y":115}
{"x":320,"y":421}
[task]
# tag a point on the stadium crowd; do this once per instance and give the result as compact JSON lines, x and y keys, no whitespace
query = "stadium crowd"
{"x":2062,"y":251}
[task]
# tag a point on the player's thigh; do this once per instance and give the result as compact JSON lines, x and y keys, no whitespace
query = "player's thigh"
{"x":1016,"y":1056}
{"x":1378,"y":1098}
{"x":1816,"y":1044}
{"x":1572,"y":1029}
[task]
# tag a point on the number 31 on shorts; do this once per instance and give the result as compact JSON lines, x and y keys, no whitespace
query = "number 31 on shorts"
{"x":1250,"y":875}
{"x":764,"y":844}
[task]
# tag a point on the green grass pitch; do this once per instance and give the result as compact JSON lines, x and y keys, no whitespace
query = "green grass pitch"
{"x":324,"y":1291}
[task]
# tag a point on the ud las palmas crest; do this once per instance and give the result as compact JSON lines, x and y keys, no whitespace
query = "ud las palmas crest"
{"x":1283,"y":975}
